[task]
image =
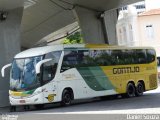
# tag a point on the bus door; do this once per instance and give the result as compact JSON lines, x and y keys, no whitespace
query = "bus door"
{"x":49,"y":85}
{"x":70,"y":72}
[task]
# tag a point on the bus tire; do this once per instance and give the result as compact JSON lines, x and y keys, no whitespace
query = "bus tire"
{"x":12,"y":108}
{"x":39,"y":106}
{"x":130,"y":90}
{"x":26,"y":107}
{"x":66,"y":98}
{"x":139,"y":89}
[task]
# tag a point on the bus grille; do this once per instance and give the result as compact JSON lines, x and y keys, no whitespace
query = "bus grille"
{"x":153,"y":80}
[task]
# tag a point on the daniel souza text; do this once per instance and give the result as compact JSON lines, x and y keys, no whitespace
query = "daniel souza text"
{"x":143,"y":117}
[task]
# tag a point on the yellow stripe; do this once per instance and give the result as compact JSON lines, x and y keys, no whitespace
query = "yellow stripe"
{"x":17,"y":93}
{"x":97,"y":45}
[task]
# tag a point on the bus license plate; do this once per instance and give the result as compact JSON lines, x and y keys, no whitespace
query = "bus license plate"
{"x":22,"y":101}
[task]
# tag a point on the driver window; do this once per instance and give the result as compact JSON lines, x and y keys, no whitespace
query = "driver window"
{"x":49,"y":68}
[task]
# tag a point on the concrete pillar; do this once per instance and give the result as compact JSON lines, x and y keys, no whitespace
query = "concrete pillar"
{"x":90,"y":24}
{"x":110,"y":18}
{"x":97,"y":27}
{"x":9,"y":46}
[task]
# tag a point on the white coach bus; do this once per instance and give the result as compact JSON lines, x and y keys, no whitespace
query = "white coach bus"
{"x":62,"y":73}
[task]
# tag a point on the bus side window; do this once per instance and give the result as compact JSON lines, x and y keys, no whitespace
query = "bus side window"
{"x":141,"y":57}
{"x":82,"y":62}
{"x":49,"y":70}
{"x":150,"y":55}
{"x":158,"y":61}
{"x":116,"y":57}
{"x":128,"y":57}
{"x":69,"y":60}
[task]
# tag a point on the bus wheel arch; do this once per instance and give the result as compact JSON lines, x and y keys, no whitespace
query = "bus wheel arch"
{"x":130,"y":89}
{"x":67,"y":96}
{"x":140,"y":88}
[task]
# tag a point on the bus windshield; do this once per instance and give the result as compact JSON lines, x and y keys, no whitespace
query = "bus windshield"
{"x":23,"y":75}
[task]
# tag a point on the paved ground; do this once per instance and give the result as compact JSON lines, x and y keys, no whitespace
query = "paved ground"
{"x":95,"y":109}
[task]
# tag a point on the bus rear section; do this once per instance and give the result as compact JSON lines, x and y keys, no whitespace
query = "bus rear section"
{"x":113,"y":71}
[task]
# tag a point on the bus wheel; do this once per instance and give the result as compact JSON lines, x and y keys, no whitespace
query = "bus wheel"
{"x":130,"y":90}
{"x":26,"y":107}
{"x":139,"y":89}
{"x":66,"y":98}
{"x":12,"y":108}
{"x":39,"y":106}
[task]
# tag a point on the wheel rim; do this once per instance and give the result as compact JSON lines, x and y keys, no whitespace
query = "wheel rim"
{"x":140,"y":88}
{"x":67,"y":99}
{"x":131,"y":91}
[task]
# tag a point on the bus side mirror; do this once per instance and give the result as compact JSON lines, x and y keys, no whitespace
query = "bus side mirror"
{"x":3,"y":69}
{"x":39,"y":64}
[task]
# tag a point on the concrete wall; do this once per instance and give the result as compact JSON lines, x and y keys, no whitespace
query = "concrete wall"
{"x":127,"y":31}
{"x":141,"y":35}
{"x":9,"y":46}
{"x":152,"y":4}
{"x":144,"y":37}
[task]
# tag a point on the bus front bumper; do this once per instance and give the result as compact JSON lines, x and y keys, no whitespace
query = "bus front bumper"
{"x":30,"y":100}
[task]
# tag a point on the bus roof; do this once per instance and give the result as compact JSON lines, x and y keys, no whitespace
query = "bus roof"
{"x":46,"y":49}
{"x":38,"y":51}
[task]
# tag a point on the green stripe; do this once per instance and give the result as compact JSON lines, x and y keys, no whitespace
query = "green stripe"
{"x":95,"y":78}
{"x":28,"y":92}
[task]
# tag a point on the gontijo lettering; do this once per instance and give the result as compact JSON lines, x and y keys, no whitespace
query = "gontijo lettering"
{"x":124,"y":70}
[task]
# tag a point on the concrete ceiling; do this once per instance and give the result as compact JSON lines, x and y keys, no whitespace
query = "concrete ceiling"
{"x":101,"y":5}
{"x":10,"y":4}
{"x":41,"y":19}
{"x":46,"y":16}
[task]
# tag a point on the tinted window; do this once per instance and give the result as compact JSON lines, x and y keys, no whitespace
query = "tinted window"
{"x":83,"y":58}
{"x":158,"y":61}
{"x":49,"y":68}
{"x":129,"y":56}
{"x":141,"y":57}
{"x":70,"y":58}
{"x":151,"y":55}
{"x":94,"y":58}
